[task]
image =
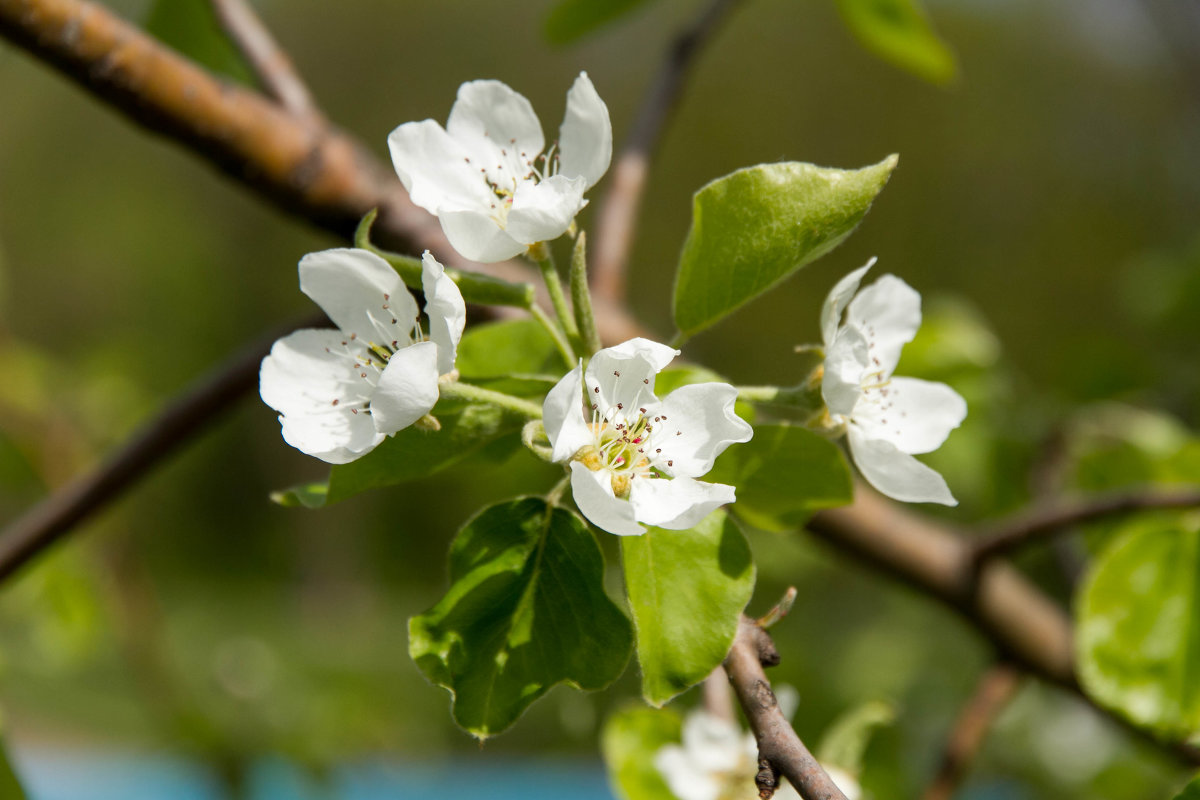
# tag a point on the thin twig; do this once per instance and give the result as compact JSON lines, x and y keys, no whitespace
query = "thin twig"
{"x":996,"y":688}
{"x":780,"y":751}
{"x":271,"y":65}
{"x":1047,"y":522}
{"x":616,"y":219}
{"x":184,"y":418}
{"x":718,"y":698}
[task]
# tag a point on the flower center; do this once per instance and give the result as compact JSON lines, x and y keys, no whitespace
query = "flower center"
{"x":367,"y":358}
{"x":628,"y":444}
{"x":514,"y":168}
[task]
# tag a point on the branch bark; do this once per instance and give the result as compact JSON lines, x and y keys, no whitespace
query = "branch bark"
{"x":780,"y":750}
{"x":617,"y":218}
{"x":271,"y":65}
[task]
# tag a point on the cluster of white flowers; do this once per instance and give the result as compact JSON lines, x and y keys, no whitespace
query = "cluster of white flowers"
{"x":633,"y":459}
{"x":716,"y":760}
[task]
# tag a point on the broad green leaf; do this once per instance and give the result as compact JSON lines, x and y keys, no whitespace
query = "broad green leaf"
{"x":898,"y":31}
{"x":1191,"y":791}
{"x":629,"y":742}
{"x":512,"y":348}
{"x":525,"y":610}
{"x":191,"y":27}
{"x":687,"y":590}
{"x":753,"y":228}
{"x":10,"y":787}
{"x":783,"y":475}
{"x":1138,"y":626}
{"x":571,"y":19}
{"x":846,"y":739}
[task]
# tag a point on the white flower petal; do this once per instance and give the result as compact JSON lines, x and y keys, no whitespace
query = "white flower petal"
{"x":585,"y":138}
{"x":435,"y":169}
{"x":659,"y":355}
{"x":361,"y":293}
{"x":845,"y":365}
{"x":446,"y":311}
{"x":913,"y":414}
{"x":407,"y":388}
{"x":843,"y":780}
{"x":896,"y":474}
{"x":713,"y":743}
{"x":496,"y":125}
{"x":562,"y":416}
{"x":703,"y":416}
{"x":316,"y":393}
{"x":594,"y":496}
{"x":625,"y":380}
{"x":677,"y":504}
{"x":478,"y":237}
{"x":543,"y":211}
{"x":686,"y":779}
{"x":835,"y":303}
{"x":889,"y":314}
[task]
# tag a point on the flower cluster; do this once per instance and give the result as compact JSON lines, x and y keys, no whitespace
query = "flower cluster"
{"x":339,"y":393}
{"x":886,"y":419}
{"x":634,"y":458}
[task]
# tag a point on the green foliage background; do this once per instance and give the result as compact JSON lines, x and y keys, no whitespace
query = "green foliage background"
{"x":1044,"y":205}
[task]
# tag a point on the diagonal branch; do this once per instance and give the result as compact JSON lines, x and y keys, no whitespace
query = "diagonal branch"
{"x":617,"y":216}
{"x":271,"y":65}
{"x":780,"y":750}
{"x":1040,"y":524}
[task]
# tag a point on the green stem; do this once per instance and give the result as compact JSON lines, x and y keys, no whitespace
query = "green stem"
{"x":556,"y":333}
{"x":581,"y":298}
{"x":541,"y":255}
{"x":759,"y":394}
{"x":680,"y":338}
{"x":476,"y":394}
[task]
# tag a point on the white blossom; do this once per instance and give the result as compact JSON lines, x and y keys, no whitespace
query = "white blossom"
{"x":339,"y":393}
{"x":634,"y":458}
{"x":484,"y":175}
{"x":886,"y":419}
{"x":716,"y":760}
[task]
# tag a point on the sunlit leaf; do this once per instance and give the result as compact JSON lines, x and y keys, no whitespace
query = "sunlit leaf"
{"x":1191,"y":791}
{"x":783,"y":475}
{"x":687,"y":590}
{"x":755,"y":227}
{"x":571,"y":19}
{"x":1138,"y":637}
{"x":526,"y":609}
{"x":846,"y":739}
{"x":629,"y":742}
{"x":898,"y":31}
{"x":191,"y":27}
{"x":502,"y":349}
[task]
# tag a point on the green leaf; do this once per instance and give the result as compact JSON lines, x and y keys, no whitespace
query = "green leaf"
{"x":1191,"y":791}
{"x":755,"y":227}
{"x":847,"y":737}
{"x":1138,"y":626}
{"x":687,"y":590}
{"x":191,"y":27}
{"x":519,"y":347}
{"x":898,"y":31}
{"x":630,"y":740}
{"x":306,"y":495}
{"x":571,"y":19}
{"x":783,"y":475}
{"x":526,"y":609}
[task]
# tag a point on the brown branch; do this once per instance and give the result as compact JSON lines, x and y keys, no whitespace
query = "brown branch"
{"x":616,"y":219}
{"x":271,"y":65}
{"x":1024,"y":625}
{"x":780,"y":750}
{"x":1046,"y":522}
{"x":996,"y":688}
{"x":184,"y":418}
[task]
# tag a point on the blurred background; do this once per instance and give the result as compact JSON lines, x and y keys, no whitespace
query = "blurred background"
{"x":197,"y":640}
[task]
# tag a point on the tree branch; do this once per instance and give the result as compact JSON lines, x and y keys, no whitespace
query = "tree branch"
{"x":271,"y":65}
{"x":780,"y":750}
{"x":617,"y":217}
{"x":184,"y":418}
{"x":1039,"y":524}
{"x":1024,"y":625}
{"x":996,"y":688}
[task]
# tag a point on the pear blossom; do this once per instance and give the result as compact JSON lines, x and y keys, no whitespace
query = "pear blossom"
{"x":886,"y":418}
{"x":634,"y":458}
{"x":339,"y":393}
{"x":484,"y":175}
{"x":718,"y":761}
